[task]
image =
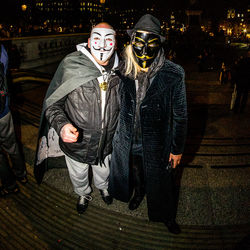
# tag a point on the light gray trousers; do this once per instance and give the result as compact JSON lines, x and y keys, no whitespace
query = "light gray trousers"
{"x":9,"y":145}
{"x":79,"y":175}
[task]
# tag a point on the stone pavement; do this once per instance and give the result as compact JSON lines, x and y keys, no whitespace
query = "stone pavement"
{"x":213,"y":182}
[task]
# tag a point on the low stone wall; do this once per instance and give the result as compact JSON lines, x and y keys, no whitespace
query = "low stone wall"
{"x":40,"y":51}
{"x":43,"y":53}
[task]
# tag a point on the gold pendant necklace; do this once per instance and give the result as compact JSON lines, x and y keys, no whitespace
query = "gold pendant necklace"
{"x":104,"y":86}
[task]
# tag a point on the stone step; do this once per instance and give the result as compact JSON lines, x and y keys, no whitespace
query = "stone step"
{"x":41,"y":217}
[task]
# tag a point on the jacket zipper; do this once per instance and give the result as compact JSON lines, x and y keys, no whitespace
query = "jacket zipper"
{"x":104,"y":116}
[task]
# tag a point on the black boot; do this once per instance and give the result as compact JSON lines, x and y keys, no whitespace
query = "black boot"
{"x":135,"y":202}
{"x":106,"y":196}
{"x":173,"y":227}
{"x":82,"y":203}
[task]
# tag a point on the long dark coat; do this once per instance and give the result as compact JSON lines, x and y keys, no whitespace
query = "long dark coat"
{"x":163,"y":114}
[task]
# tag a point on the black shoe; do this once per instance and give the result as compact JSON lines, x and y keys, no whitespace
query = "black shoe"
{"x":82,"y":203}
{"x":135,"y":202}
{"x":23,"y":180}
{"x":106,"y":197}
{"x":5,"y":191}
{"x":173,"y":227}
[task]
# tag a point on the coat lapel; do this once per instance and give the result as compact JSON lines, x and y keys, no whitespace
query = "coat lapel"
{"x":158,"y":85}
{"x":129,"y":86}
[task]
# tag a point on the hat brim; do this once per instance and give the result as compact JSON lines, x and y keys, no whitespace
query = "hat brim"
{"x":131,"y":31}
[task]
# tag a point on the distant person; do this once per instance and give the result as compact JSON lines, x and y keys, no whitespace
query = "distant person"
{"x":242,"y":80}
{"x":233,"y":72}
{"x":8,"y":143}
{"x":81,"y":107}
{"x":171,"y":55}
{"x":152,"y":126}
{"x":225,"y":75}
{"x":14,"y":56}
{"x":202,"y":60}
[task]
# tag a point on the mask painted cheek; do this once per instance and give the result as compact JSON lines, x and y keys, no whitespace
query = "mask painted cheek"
{"x":94,"y":42}
{"x":95,"y":45}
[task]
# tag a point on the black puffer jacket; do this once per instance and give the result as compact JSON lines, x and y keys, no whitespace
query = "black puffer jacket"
{"x":82,"y":108}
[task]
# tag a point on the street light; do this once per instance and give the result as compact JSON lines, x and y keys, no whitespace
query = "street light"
{"x":102,"y":2}
{"x":24,"y":7}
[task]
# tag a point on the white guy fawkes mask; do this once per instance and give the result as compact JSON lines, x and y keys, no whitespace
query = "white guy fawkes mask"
{"x":102,"y":43}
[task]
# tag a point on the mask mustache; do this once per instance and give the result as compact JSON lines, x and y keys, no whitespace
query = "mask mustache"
{"x":102,"y":49}
{"x":145,"y":57}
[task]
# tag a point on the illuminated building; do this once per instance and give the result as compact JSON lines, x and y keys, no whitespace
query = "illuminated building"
{"x":236,"y":24}
{"x":66,"y":15}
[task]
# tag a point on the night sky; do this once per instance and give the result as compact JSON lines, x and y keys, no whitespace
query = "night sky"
{"x":179,"y":4}
{"x":210,"y":7}
{"x":215,"y":9}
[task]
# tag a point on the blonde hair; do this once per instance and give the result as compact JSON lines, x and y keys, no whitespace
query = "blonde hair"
{"x":131,"y":65}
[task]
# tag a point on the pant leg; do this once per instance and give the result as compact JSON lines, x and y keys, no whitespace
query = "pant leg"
{"x":79,"y":175}
{"x":10,"y":145}
{"x":171,"y":197}
{"x":101,"y":173}
{"x":6,"y":175}
{"x":237,"y":101}
{"x":162,"y":197}
{"x":244,"y":100}
{"x":138,"y":175}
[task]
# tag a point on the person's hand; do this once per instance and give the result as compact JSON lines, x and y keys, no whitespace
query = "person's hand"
{"x":69,"y":133}
{"x":176,"y":159}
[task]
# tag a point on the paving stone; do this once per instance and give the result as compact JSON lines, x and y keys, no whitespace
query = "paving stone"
{"x":213,"y":202}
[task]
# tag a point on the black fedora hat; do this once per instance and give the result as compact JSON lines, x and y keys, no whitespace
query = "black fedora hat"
{"x":148,"y":23}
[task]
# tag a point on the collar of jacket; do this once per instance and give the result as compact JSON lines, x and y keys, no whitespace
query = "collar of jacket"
{"x":159,"y":83}
{"x":82,"y":47}
{"x":76,"y":69}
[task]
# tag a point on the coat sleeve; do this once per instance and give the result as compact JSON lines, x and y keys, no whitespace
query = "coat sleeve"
{"x":179,"y":112}
{"x":56,"y":116}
